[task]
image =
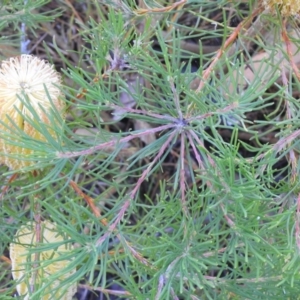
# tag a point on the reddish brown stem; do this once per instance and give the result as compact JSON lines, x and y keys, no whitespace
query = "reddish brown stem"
{"x":289,"y":50}
{"x":6,"y":187}
{"x":182,"y":176}
{"x":89,"y":200}
{"x":297,"y":225}
{"x":96,"y":211}
{"x":227,"y":43}
{"x":131,"y":196}
{"x":113,"y":142}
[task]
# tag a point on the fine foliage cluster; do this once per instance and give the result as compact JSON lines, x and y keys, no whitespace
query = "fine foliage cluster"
{"x":176,"y":173}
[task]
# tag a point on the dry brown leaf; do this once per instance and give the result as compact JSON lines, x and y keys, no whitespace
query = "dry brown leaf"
{"x":8,"y":51}
{"x":264,"y":65}
{"x":142,"y":125}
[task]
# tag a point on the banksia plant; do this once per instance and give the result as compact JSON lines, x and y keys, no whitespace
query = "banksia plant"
{"x":177,"y":173}
{"x":37,"y":268}
{"x":29,"y":90}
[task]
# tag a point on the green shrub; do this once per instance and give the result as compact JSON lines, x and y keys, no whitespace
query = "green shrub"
{"x":176,"y":173}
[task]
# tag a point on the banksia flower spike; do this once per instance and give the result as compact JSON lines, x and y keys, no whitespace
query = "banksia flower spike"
{"x":286,"y":8}
{"x":27,"y":83}
{"x":25,"y":268}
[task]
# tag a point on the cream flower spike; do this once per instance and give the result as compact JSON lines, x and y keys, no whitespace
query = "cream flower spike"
{"x":37,"y":79}
{"x":22,"y":269}
{"x":287,"y":8}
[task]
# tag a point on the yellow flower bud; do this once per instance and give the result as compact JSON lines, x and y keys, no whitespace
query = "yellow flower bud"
{"x":25,"y":265}
{"x":27,"y":83}
{"x":286,"y":7}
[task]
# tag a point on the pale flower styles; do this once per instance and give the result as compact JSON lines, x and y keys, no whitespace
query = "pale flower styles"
{"x":22,"y":79}
{"x":50,"y":262}
{"x":286,"y":7}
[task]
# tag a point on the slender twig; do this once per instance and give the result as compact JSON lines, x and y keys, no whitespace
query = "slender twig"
{"x":222,"y":50}
{"x":226,"y":109}
{"x":136,"y":254}
{"x":292,"y":155}
{"x":136,"y":188}
{"x":218,"y":280}
{"x":176,"y":98}
{"x":297,"y":224}
{"x":144,"y":112}
{"x":165,"y":276}
{"x":211,"y":161}
{"x":229,"y":221}
{"x":5,"y":259}
{"x":196,"y":152}
{"x":289,"y":50}
{"x":105,"y":291}
{"x":89,"y":200}
{"x":162,"y":150}
{"x":276,"y":148}
{"x":173,"y":294}
{"x":201,"y":144}
{"x":114,"y":142}
{"x":221,"y":250}
{"x":283,"y":142}
{"x":6,"y":187}
{"x":96,"y":211}
{"x":113,"y":226}
{"x":161,"y":283}
{"x":74,"y":11}
{"x":182,"y":175}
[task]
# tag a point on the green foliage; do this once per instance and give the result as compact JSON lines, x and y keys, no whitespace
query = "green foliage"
{"x":195,"y":177}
